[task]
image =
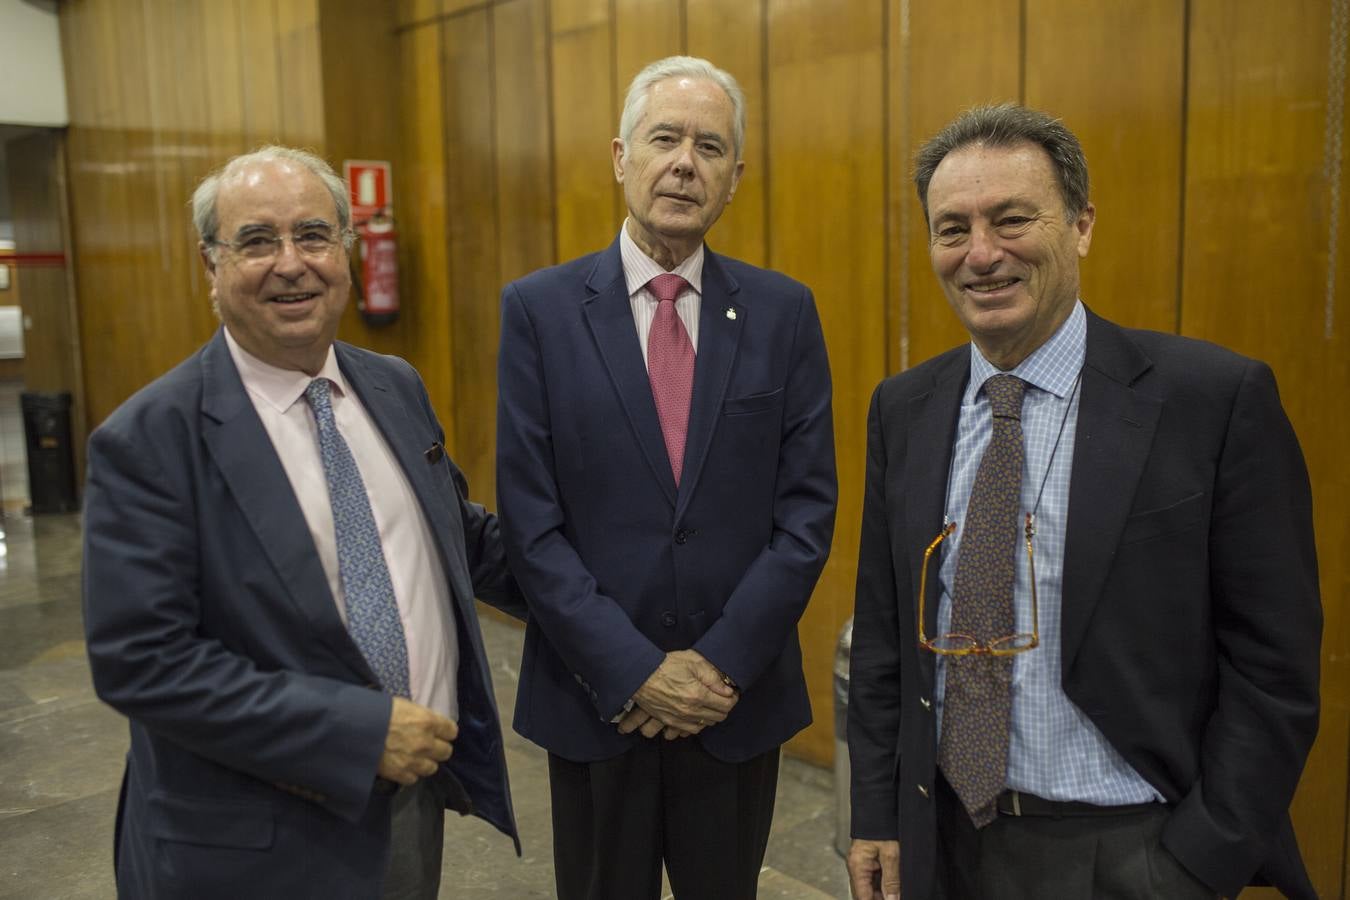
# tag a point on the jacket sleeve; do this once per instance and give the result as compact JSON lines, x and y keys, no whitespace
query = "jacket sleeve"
{"x":151,"y":662}
{"x":764,"y":608}
{"x":596,"y":639}
{"x":874,"y":687}
{"x":1268,"y":624}
{"x":492,"y":580}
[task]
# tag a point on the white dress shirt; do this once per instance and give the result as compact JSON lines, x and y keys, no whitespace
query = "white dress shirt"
{"x":420,"y":587}
{"x":639,"y":268}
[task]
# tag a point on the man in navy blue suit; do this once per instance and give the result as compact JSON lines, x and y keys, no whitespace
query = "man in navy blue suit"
{"x":280,"y":566}
{"x":667,"y":488}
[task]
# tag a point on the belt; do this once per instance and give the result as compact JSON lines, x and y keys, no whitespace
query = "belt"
{"x":1019,"y":803}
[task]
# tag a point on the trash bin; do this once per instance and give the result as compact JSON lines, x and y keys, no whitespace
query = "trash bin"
{"x":51,"y":458}
{"x":841,"y":768}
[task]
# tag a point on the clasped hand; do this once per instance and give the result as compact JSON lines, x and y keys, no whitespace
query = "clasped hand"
{"x":417,"y":743}
{"x":683,"y":696}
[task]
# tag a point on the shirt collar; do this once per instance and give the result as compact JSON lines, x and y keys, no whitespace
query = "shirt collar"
{"x":639,"y":268}
{"x":1052,"y":367}
{"x":277,"y":387}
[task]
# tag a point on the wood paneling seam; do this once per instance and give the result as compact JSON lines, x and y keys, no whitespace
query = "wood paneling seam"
{"x":1333,"y":144}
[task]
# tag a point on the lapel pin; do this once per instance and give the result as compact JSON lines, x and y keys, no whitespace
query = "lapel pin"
{"x":731,"y":313}
{"x":434,"y":453}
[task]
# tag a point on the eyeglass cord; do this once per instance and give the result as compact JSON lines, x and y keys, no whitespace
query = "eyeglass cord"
{"x":1045,"y":476}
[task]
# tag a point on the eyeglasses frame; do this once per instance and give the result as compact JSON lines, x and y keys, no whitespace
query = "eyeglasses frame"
{"x":978,"y":648}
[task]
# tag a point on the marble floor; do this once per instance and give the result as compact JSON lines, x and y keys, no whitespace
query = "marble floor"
{"x":61,"y":754}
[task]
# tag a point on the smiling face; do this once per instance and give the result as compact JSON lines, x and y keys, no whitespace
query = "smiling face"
{"x":284,"y":308}
{"x":679,"y":170}
{"x":1003,"y":247}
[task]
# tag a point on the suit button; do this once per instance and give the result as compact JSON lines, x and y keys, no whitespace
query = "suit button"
{"x":681,"y":536}
{"x":923,"y":790}
{"x":926,"y":703}
{"x":668,"y":619}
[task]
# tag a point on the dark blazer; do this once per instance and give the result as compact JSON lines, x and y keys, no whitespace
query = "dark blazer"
{"x":1191,"y":615}
{"x":618,"y":566}
{"x":255,"y":729}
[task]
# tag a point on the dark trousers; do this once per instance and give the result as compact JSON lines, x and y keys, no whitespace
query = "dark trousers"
{"x":1115,"y":857}
{"x":616,"y":820}
{"x":416,"y":841}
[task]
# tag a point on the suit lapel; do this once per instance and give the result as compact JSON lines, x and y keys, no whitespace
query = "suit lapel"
{"x":610,"y":317}
{"x":242,"y":449}
{"x":931,"y":426}
{"x":719,"y":332}
{"x":1115,"y":431}
{"x":400,"y":429}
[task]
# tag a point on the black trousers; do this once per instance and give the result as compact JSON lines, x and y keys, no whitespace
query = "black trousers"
{"x":1116,"y":857}
{"x":616,"y":820}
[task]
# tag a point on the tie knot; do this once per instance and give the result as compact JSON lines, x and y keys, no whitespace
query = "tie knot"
{"x":1005,"y":396}
{"x":318,"y":394}
{"x":667,"y":286}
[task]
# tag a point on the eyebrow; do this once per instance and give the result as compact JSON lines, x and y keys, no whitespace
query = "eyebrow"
{"x":994,"y":211}
{"x":251,"y":227}
{"x":699,"y":135}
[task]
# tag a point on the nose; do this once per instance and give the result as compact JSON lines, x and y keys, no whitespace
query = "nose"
{"x":683,"y":164}
{"x":985,"y":252}
{"x":287,"y":262}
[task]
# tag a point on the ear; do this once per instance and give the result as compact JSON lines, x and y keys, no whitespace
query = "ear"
{"x":1083,"y":226}
{"x":616,"y":150}
{"x":208,"y":263}
{"x":736,"y":178}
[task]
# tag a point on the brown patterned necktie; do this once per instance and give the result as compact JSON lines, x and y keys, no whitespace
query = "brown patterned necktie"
{"x":670,"y":367}
{"x":977,"y":702}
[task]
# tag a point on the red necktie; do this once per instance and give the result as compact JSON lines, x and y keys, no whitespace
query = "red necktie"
{"x":670,"y":367}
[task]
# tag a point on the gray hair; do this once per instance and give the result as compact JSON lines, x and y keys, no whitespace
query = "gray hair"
{"x":207,"y":221}
{"x":1007,"y":125}
{"x":681,"y":67}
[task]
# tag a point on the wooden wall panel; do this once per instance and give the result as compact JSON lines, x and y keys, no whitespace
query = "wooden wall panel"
{"x":1128,"y":117}
{"x":258,"y":66}
{"x":939,"y":85}
{"x":523,"y":204}
{"x":220,"y":133}
{"x":524,"y":160}
{"x":585,"y":119}
{"x":363,"y":120}
{"x":731,"y":36}
{"x":827,"y":200}
{"x":408,"y":13}
{"x":471,"y":192}
{"x":299,"y":70}
{"x":161,"y":93}
{"x":644,"y":31}
{"x":1257,"y":244}
{"x":424,"y":278}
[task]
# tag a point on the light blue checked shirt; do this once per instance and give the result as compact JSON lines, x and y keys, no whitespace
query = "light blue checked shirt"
{"x":1055,"y":751}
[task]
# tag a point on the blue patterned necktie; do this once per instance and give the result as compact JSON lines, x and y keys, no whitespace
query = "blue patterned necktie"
{"x":372,"y":611}
{"x":977,"y":701}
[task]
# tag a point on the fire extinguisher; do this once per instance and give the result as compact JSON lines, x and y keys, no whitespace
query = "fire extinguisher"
{"x":377,"y":275}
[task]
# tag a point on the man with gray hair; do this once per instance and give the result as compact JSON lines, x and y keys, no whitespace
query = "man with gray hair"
{"x":1085,"y":646}
{"x":280,"y":566}
{"x":667,"y":487}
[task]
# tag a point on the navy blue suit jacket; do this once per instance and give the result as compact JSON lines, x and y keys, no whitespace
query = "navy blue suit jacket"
{"x":620,"y":567}
{"x":255,"y":726}
{"x":1191,"y":619}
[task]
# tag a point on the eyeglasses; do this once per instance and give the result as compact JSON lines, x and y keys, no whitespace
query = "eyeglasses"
{"x":958,"y":644}
{"x":313,"y":241}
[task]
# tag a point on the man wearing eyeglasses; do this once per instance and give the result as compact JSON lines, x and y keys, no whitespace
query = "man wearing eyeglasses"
{"x":280,"y":566}
{"x":1085,"y":652}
